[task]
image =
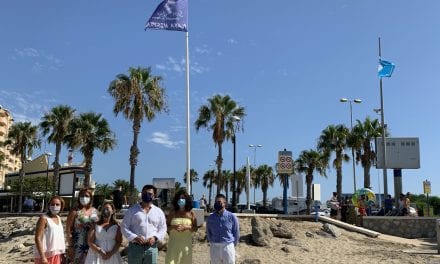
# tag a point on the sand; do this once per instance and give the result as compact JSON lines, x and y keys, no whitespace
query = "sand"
{"x":309,"y":245}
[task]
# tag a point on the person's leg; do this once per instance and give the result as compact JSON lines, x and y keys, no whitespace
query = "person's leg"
{"x":135,"y":253}
{"x":229,"y":253}
{"x":150,"y":256}
{"x":215,"y":252}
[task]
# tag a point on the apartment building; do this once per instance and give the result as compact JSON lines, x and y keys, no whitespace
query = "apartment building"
{"x":10,"y":163}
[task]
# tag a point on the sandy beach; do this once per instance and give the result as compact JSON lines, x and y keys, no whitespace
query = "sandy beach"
{"x":310,"y":244}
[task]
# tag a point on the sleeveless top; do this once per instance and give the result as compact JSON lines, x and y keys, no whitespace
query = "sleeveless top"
{"x":53,"y":239}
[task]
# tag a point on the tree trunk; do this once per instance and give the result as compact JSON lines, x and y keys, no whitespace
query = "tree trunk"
{"x":134,"y":152}
{"x":227,"y":191}
{"x":23,"y":160}
{"x":264,"y":197}
{"x":210,"y":190}
{"x":56,"y":168}
{"x":89,"y":161}
{"x":309,"y":193}
{"x":367,"y":176}
{"x":219,"y":167}
{"x":339,"y":175}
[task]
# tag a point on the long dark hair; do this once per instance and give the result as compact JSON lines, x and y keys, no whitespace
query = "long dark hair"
{"x":188,"y":201}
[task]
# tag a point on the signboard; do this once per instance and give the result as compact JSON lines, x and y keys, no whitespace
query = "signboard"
{"x":401,"y":153}
{"x":164,"y":183}
{"x":426,"y":187}
{"x":285,"y":162}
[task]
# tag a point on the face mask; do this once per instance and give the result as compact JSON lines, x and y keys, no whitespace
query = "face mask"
{"x":84,"y":200}
{"x":147,"y":197}
{"x":181,"y":203}
{"x":218,"y":206}
{"x":106,"y":213}
{"x":54,"y":209}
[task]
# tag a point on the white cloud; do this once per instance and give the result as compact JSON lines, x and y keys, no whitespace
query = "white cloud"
{"x":202,"y":50}
{"x":164,"y":140}
{"x":40,"y":60}
{"x":24,"y":107}
{"x":173,"y":65}
{"x":232,"y":41}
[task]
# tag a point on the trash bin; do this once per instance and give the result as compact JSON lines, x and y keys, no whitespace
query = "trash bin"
{"x":196,"y":204}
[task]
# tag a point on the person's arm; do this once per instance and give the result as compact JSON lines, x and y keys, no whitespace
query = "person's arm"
{"x":39,"y":232}
{"x":162,"y":227}
{"x":194,"y":222}
{"x":208,"y":230}
{"x":91,"y":237}
{"x":236,"y":230}
{"x":125,"y":226}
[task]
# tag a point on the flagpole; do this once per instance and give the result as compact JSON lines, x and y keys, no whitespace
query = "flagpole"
{"x":188,"y":157}
{"x":382,"y":117}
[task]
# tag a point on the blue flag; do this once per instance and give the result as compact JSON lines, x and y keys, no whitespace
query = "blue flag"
{"x":170,"y":15}
{"x":385,"y":68}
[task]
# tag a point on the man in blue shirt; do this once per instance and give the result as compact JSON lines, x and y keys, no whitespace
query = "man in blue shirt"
{"x":223,"y":232}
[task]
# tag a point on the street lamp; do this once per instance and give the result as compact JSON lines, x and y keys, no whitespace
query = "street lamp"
{"x":255,"y":158}
{"x":358,"y":101}
{"x":234,"y":189}
{"x":47,"y":154}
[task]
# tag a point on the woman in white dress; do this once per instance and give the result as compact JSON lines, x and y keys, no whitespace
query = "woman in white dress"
{"x":105,"y":238}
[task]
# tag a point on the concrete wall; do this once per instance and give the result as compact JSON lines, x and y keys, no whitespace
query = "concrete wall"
{"x":402,"y":226}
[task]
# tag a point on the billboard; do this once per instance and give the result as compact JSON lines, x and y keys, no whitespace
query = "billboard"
{"x":401,"y":153}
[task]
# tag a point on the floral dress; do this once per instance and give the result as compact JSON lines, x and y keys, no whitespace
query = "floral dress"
{"x":82,"y":226}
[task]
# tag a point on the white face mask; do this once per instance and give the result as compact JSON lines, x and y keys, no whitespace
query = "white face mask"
{"x":84,"y":200}
{"x":54,"y":209}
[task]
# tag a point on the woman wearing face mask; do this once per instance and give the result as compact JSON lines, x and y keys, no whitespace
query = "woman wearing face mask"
{"x":49,"y":234}
{"x":181,"y":222}
{"x":79,"y":221}
{"x":105,"y":238}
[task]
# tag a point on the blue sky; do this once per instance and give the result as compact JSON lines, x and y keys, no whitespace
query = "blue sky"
{"x":287,"y":62}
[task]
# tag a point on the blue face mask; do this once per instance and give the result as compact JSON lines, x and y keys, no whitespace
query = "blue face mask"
{"x":218,"y":206}
{"x":147,"y":197}
{"x":181,"y":202}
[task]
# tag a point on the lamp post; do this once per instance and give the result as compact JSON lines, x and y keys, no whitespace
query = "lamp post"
{"x":47,"y":154}
{"x":255,"y":158}
{"x":358,"y":101}
{"x":234,"y":189}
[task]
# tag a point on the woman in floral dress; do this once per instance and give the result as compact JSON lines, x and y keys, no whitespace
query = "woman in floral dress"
{"x":79,"y":221}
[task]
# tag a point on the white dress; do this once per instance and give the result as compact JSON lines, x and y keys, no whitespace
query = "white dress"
{"x":105,"y":239}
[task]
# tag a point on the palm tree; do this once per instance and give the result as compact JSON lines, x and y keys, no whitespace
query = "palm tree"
{"x":308,"y":162}
{"x":22,"y":139}
{"x":227,"y":178}
{"x":241,"y":182}
{"x":266,"y":178}
{"x":360,"y":140}
{"x":194,"y":177}
{"x":55,"y":123}
{"x":138,"y":96}
{"x":125,"y":185}
{"x":219,"y":115}
{"x":334,"y":139}
{"x":88,"y":132}
{"x":208,"y":179}
{"x":103,"y":189}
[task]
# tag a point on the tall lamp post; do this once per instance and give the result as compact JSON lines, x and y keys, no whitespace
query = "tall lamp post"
{"x":234,"y":189}
{"x":255,"y":159}
{"x":47,"y":154}
{"x":358,"y":101}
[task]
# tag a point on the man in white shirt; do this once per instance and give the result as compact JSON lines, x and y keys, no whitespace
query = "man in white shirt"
{"x":143,"y":225}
